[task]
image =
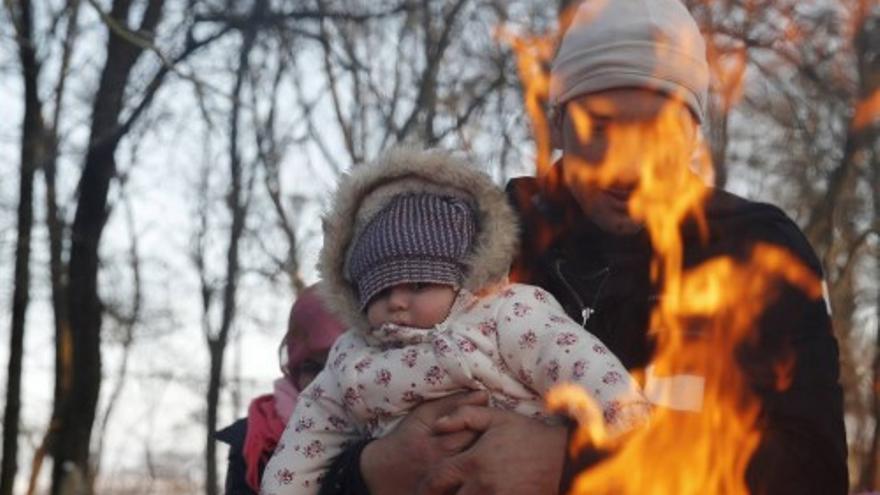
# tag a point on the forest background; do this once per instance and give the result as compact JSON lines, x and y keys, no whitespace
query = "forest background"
{"x":164,"y":163}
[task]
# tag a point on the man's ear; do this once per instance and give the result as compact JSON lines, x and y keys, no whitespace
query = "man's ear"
{"x":555,"y":119}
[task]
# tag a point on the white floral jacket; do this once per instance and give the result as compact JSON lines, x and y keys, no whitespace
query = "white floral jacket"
{"x":516,"y":343}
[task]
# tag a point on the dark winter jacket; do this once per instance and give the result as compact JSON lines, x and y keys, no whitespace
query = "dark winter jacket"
{"x":234,"y":436}
{"x":603,"y":280}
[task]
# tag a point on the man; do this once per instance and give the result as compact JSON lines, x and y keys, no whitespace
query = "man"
{"x":621,"y":65}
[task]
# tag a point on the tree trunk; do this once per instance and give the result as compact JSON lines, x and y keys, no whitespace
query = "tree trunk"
{"x":238,"y":210}
{"x":215,"y":350}
{"x":31,"y":142}
{"x":55,"y":230}
{"x":63,"y":335}
{"x":78,"y":407}
{"x":870,"y":472}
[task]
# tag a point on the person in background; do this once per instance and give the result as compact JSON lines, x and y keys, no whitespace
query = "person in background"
{"x":619,"y":65}
{"x":311,"y":331}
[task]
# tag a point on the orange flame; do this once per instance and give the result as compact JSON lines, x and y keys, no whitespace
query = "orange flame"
{"x":572,"y":400}
{"x":699,"y":329}
{"x":533,"y":54}
{"x":729,"y":71}
{"x":867,"y":112}
{"x":706,"y":313}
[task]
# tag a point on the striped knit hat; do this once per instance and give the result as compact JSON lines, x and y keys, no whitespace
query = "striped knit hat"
{"x":414,"y":238}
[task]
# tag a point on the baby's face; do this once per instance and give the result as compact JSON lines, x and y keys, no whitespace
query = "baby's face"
{"x":418,"y":305}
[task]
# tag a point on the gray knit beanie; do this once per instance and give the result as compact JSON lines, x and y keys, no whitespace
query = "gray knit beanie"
{"x":653,"y":44}
{"x":414,"y":238}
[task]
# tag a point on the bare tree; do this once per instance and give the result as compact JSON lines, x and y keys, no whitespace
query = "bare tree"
{"x":237,"y":200}
{"x":48,"y":159}
{"x":871,"y":470}
{"x":425,"y":72}
{"x":113,"y":116}
{"x":125,"y":318}
{"x":271,"y":146}
{"x":31,"y":151}
{"x":40,"y":144}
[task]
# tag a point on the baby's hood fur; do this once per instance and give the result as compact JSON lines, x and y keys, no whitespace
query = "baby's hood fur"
{"x":365,"y":190}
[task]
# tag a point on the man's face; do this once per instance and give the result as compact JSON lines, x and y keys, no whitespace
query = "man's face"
{"x":607,"y":140}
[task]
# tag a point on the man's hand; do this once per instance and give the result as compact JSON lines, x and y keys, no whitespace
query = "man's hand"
{"x":514,"y":455}
{"x":398,"y":462}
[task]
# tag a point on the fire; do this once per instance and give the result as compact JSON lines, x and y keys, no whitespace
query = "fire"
{"x":533,"y":53}
{"x":867,"y":112}
{"x":699,"y":328}
{"x":571,"y":399}
{"x":706,"y":314}
{"x":533,"y":56}
{"x":729,"y":72}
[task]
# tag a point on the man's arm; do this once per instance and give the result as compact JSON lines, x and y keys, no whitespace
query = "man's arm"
{"x":514,"y":455}
{"x":400,"y":461}
{"x":543,"y":347}
{"x":803,"y":447}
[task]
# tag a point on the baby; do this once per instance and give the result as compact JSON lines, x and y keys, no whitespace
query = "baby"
{"x":415,"y":259}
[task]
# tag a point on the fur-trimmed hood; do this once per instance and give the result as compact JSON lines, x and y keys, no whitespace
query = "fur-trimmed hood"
{"x":365,"y":190}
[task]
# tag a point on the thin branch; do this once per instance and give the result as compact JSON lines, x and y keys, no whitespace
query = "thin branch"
{"x":270,"y":18}
{"x":156,"y":82}
{"x":269,"y":157}
{"x":476,"y":103}
{"x":854,"y":247}
{"x":127,"y":323}
{"x":344,"y":126}
{"x":311,"y":128}
{"x":433,"y":56}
